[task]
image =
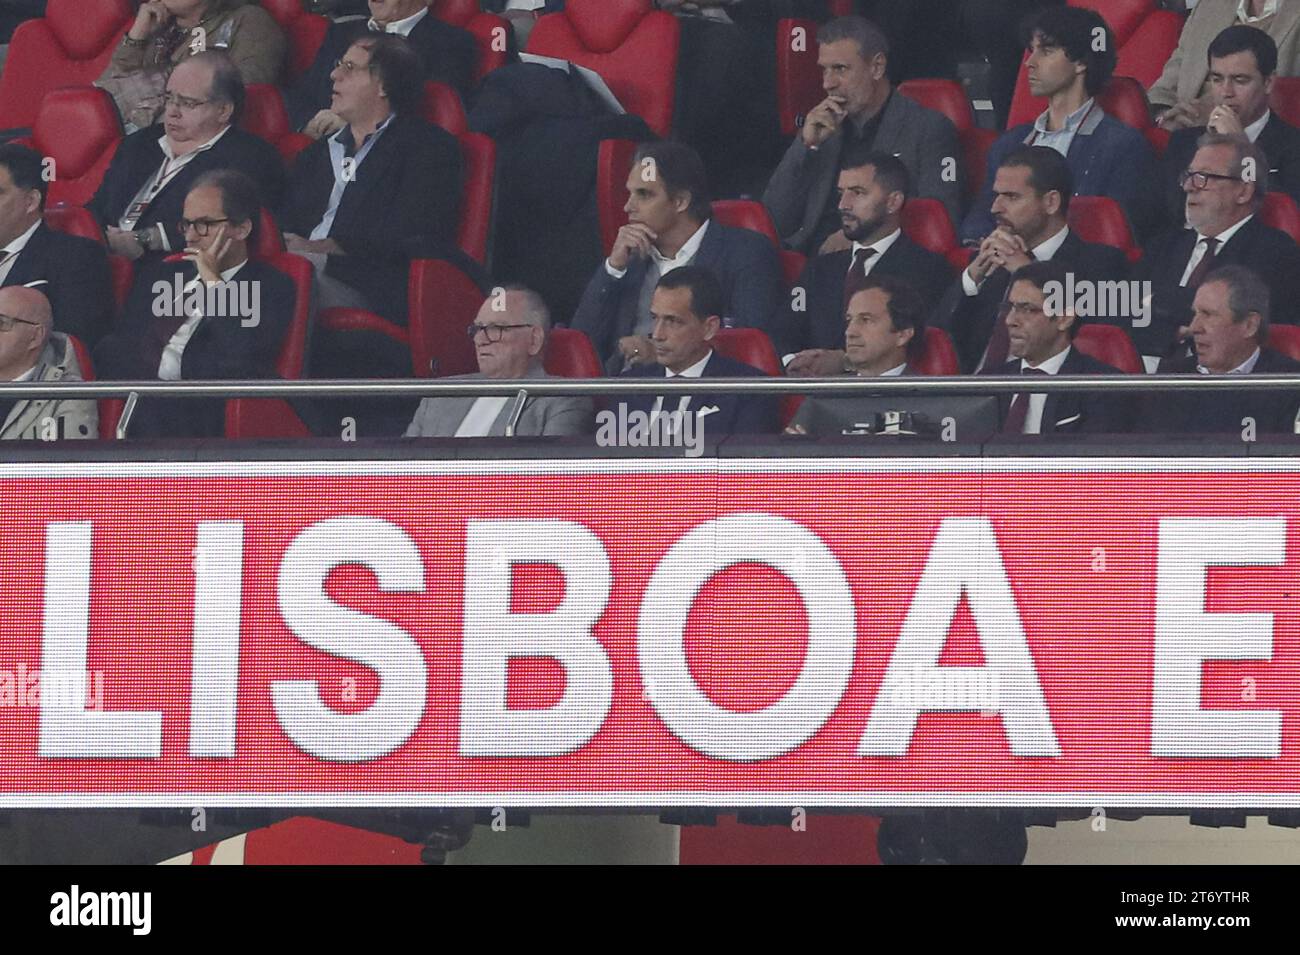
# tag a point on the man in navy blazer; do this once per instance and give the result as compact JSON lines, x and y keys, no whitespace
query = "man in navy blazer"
{"x":71,"y":271}
{"x":687,"y":306}
{"x":447,"y":54}
{"x":1106,"y":157}
{"x":670,"y":225}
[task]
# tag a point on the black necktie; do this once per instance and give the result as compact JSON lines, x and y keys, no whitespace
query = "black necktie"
{"x":1203,"y":267}
{"x":1019,"y":410}
{"x":857,"y":276}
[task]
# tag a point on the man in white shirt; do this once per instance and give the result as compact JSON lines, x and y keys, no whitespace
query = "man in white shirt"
{"x":509,"y":335}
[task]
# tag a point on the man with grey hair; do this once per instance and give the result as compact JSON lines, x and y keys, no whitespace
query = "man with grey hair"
{"x":1229,"y":331}
{"x":509,"y":335}
{"x":862,"y":111}
{"x":1224,"y":186}
{"x":30,"y":351}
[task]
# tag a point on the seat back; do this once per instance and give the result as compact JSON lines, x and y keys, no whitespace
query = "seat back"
{"x":1102,"y":220}
{"x":1285,"y":98}
{"x":69,"y":46}
{"x":441,"y":106}
{"x":938,"y":355}
{"x":630,"y":44}
{"x":942,"y":96}
{"x":926,"y":222}
{"x":270,"y":241}
{"x":792,"y":264}
{"x":1146,"y":52}
{"x":1108,"y":345}
{"x":613,"y":162}
{"x":798,"y":77}
{"x":478,"y":198}
{"x":1279,"y":211}
{"x":491,"y":33}
{"x":746,"y":214}
{"x":78,"y":129}
{"x":570,"y":354}
{"x":304,"y":31}
{"x":122,"y":273}
{"x":444,"y":301}
{"x":74,"y":220}
{"x":456,"y":12}
{"x":975,"y":146}
{"x":750,"y":346}
{"x":264,"y":114}
{"x":1285,"y":339}
{"x":105,"y":407}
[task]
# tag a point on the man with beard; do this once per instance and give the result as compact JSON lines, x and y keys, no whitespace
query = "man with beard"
{"x":872,"y":193}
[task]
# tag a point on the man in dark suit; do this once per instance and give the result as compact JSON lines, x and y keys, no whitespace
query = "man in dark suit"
{"x":446,"y":53}
{"x":1243,"y":62}
{"x":670,"y":225}
{"x":1229,"y":330}
{"x":687,"y":307}
{"x":71,"y":271}
{"x":140,"y":199}
{"x":384,"y":187}
{"x":1032,"y":189}
{"x":1072,"y":55}
{"x":217,"y":314}
{"x":872,"y":194}
{"x":861,"y":110}
{"x":1040,"y":327}
{"x":1223,"y":198}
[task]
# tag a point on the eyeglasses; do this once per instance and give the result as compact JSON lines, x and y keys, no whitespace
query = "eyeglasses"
{"x":347,"y":66}
{"x":493,"y":332}
{"x":201,"y":226}
{"x":1022,"y":309}
{"x":7,"y":322}
{"x":1201,"y":180}
{"x":185,"y":103}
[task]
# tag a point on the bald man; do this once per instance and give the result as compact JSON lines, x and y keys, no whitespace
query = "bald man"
{"x":31,"y":351}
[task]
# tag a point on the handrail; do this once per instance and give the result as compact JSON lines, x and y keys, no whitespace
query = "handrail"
{"x":545,"y":387}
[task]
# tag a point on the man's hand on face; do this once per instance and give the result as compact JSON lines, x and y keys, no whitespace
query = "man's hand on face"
{"x":151,"y":15}
{"x":1009,"y":250}
{"x":823,"y":121}
{"x":1224,"y":120}
{"x":323,"y":124}
{"x":122,"y":242}
{"x":637,"y":349}
{"x":209,"y":260}
{"x":835,"y":242}
{"x":816,"y":363}
{"x":634,"y":241}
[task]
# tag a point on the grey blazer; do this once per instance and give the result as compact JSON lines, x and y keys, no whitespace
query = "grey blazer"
{"x":922,"y":138}
{"x":550,"y":416}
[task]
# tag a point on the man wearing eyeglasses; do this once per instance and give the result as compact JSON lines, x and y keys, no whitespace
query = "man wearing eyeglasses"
{"x":215,"y":315}
{"x":1224,"y":186}
{"x":509,"y":335}
{"x":142,"y":195}
{"x":30,"y":351}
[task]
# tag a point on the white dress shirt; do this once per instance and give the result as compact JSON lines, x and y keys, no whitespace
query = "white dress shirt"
{"x":171,"y":166}
{"x":1243,"y":11}
{"x":343,"y":176}
{"x":880,"y":245}
{"x":1043,"y":252}
{"x":694,"y":371}
{"x":894,"y":372}
{"x":169,"y":368}
{"x":1060,"y":139}
{"x":1037,"y":402}
{"x":1254,"y":129}
{"x":9,"y":254}
{"x":664,"y":264}
{"x":1245,"y":368}
{"x":401,"y":27}
{"x":1198,"y":250}
{"x":525,"y":4}
{"x":482,"y":413}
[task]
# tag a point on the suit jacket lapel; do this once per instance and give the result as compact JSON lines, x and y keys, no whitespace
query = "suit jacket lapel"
{"x":32,"y":256}
{"x":381,"y":156}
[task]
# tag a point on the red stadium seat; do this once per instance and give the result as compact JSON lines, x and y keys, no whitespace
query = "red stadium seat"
{"x":1280,"y":212}
{"x":1285,"y":339}
{"x":478,"y":198}
{"x":74,"y":220}
{"x":613,"y":161}
{"x":570,"y":354}
{"x":108,"y":414}
{"x":1122,"y":16}
{"x":938,"y":355}
{"x":1144,"y":56}
{"x":122,"y":272}
{"x":1100,"y":219}
{"x":746,"y":214}
{"x":491,"y":33}
{"x":798,"y":77}
{"x":975,"y":146}
{"x":443,"y":303}
{"x":630,"y":44}
{"x":264,"y":116}
{"x":304,"y":31}
{"x":78,"y":128}
{"x":272,"y":417}
{"x":442,"y":107}
{"x":841,"y":8}
{"x":750,"y":346}
{"x":926,"y":222}
{"x":1109,"y":345}
{"x":942,"y":96}
{"x":69,"y":46}
{"x":1285,"y":98}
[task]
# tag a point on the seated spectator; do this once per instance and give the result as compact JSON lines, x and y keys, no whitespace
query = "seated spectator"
{"x":1181,"y":95}
{"x":363,"y":200}
{"x":1031,"y":201}
{"x":30,"y":351}
{"x":446,"y":54}
{"x":1242,"y":64}
{"x":884,"y":326}
{"x":214,"y":314}
{"x":1106,"y":157}
{"x":872,"y":194}
{"x":1222,"y":199}
{"x":669,"y":226}
{"x":71,"y":271}
{"x":861,"y":110}
{"x":1229,"y":329}
{"x":509,"y":338}
{"x":140,"y":199}
{"x":687,"y":307}
{"x":168,"y":32}
{"x":1040,"y":333}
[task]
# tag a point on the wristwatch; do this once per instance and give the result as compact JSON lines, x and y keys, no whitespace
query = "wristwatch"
{"x":148,"y":239}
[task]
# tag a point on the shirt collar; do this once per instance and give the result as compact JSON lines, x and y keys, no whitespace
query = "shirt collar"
{"x":1052,"y":365}
{"x":1254,"y":129}
{"x":404,"y":27}
{"x":1245,"y":368}
{"x":894,"y":372}
{"x":166,"y":145}
{"x":684,"y":254}
{"x":880,"y":245}
{"x":20,"y":243}
{"x":346,"y":131}
{"x":28,"y":375}
{"x":229,"y":273}
{"x":1243,"y":11}
{"x":1071,"y":122}
{"x":1226,"y":234}
{"x":695,"y":371}
{"x":1047,"y":249}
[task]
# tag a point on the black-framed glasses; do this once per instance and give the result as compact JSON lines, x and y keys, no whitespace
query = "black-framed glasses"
{"x":201,"y":227}
{"x":186,"y":103}
{"x":493,"y":332}
{"x":1201,"y":180}
{"x":7,"y":322}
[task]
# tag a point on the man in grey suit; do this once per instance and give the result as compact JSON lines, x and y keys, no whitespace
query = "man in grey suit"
{"x":509,"y":337}
{"x":861,"y":108}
